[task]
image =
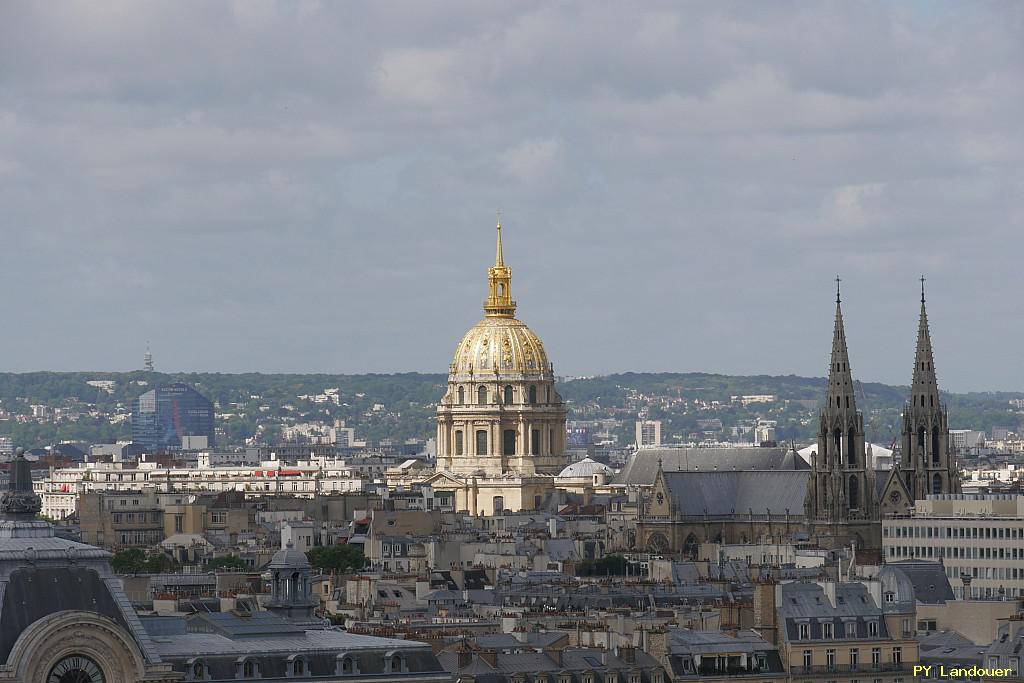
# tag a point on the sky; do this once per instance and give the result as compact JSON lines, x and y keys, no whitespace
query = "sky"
{"x":312,"y":187}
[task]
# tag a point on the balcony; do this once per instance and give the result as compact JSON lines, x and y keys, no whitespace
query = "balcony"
{"x":847,"y":668}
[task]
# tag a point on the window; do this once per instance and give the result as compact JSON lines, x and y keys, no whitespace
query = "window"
{"x":807,"y":659}
{"x":458,"y":442}
{"x":508,"y":394}
{"x":876,"y":656}
{"x":851,"y":629}
{"x":830,"y":659}
{"x":535,"y":442}
{"x":508,"y":442}
{"x":533,"y":393}
{"x":249,"y":669}
{"x":481,"y":442}
{"x":827,"y":630}
{"x":499,"y":504}
{"x":394,"y":662}
{"x":854,"y":657}
{"x":804,"y":632}
{"x":462,"y":395}
{"x":347,"y":665}
{"x":897,"y":655}
{"x":298,"y":666}
{"x":481,"y":396}
{"x":197,"y":671}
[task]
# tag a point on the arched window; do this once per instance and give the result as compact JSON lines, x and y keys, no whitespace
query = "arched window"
{"x":462,"y":395}
{"x":508,"y":442}
{"x":837,"y":437}
{"x":935,"y":445}
{"x":394,"y":662}
{"x":937,"y":483}
{"x":481,"y":396}
{"x":508,"y":394}
{"x":458,"y":442}
{"x":920,"y":437}
{"x":347,"y":665}
{"x":481,"y":442}
{"x":501,"y":289}
{"x":197,"y":670}
{"x":551,"y":441}
{"x":533,"y":393}
{"x":534,"y":442}
{"x":854,"y":492}
{"x":851,"y":451}
{"x":499,"y":504}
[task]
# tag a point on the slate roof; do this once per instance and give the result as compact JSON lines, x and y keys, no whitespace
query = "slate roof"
{"x":725,"y":493}
{"x":643,"y":465}
{"x":931,"y":585}
{"x":807,"y":602}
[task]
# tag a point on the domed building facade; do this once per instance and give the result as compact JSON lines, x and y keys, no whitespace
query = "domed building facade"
{"x":501,"y":423}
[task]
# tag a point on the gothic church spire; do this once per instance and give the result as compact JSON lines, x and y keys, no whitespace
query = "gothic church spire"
{"x":925,"y":387}
{"x":840,"y":379}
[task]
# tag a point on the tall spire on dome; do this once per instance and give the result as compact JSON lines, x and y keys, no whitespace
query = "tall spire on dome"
{"x":840,"y":378}
{"x":498,"y":260}
{"x":925,"y":389}
{"x":499,"y":303}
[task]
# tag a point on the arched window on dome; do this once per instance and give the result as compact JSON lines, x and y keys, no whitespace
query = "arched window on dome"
{"x":508,"y":394}
{"x":501,"y":289}
{"x":458,"y":442}
{"x":481,"y":442}
{"x":481,"y":396}
{"x":533,"y":393}
{"x":462,"y":395}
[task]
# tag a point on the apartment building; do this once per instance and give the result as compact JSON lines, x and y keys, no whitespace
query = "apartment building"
{"x":850,"y":632}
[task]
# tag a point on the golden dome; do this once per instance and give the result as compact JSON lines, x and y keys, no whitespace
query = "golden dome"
{"x":499,"y":343}
{"x":505,"y":346}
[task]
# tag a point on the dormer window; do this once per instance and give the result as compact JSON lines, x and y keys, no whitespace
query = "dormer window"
{"x":246,"y":668}
{"x":346,"y":665}
{"x":890,"y":596}
{"x":394,"y":662}
{"x":803,"y":631}
{"x":298,"y":666}
{"x":197,"y":670}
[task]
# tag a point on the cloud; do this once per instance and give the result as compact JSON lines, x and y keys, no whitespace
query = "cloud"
{"x":335,"y":166}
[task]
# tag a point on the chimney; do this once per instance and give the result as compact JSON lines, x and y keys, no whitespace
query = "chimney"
{"x":556,"y":656}
{"x":465,"y":657}
{"x":966,"y":578}
{"x":627,"y":653}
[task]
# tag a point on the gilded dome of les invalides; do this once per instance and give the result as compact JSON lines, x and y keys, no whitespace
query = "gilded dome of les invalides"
{"x":500,"y":345}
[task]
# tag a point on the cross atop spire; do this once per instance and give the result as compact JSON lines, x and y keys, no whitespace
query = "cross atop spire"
{"x":498,"y":260}
{"x":837,"y":288}
{"x":922,"y":289}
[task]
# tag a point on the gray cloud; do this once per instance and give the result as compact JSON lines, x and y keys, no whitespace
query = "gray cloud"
{"x":311,"y":186}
